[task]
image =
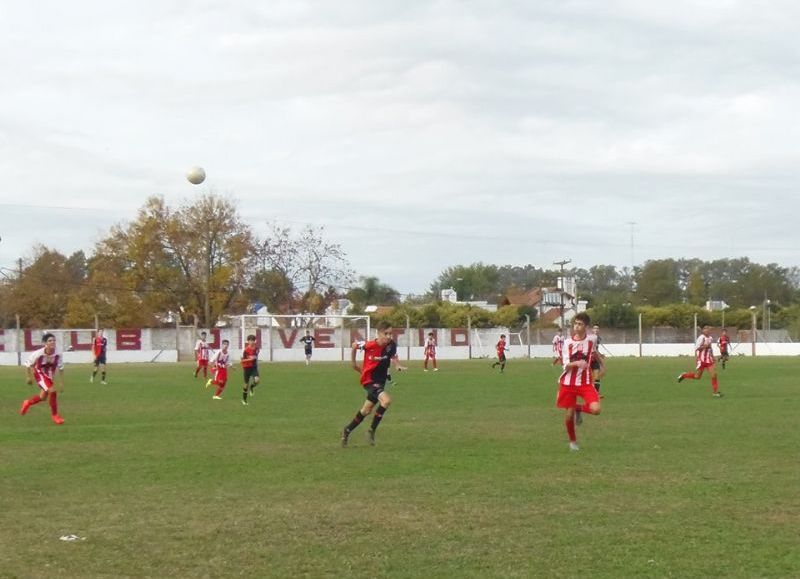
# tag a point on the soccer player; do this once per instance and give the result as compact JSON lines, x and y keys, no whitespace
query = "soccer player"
{"x":201,"y":352}
{"x":99,"y":345}
{"x":576,"y":379}
{"x":308,"y":343}
{"x":430,"y":352}
{"x":250,"y":368}
{"x":558,"y":346}
{"x":704,"y":353}
{"x":724,"y":344}
{"x":501,"y":353}
{"x":220,"y":362}
{"x":377,"y":357}
{"x":598,"y":360}
{"x":41,"y":369}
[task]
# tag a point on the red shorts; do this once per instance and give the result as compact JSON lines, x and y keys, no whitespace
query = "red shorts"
{"x":221,"y":376}
{"x":568,"y":395}
{"x":44,"y":381}
{"x":704,"y":365}
{"x":202,"y":362}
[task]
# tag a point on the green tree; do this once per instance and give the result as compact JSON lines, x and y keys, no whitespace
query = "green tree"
{"x":657,"y":283}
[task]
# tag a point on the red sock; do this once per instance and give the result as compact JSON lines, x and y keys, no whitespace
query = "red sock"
{"x":715,"y":383}
{"x":34,"y":400}
{"x":219,"y":390}
{"x":53,"y":403}
{"x":570,"y":424}
{"x":688,"y":376}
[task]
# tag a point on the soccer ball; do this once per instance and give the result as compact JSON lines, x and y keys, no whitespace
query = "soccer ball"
{"x":196,"y":175}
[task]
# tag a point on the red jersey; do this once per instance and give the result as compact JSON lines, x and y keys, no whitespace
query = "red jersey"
{"x":44,"y":364}
{"x":201,"y":349}
{"x":558,"y":344}
{"x":249,"y":356}
{"x":576,"y":349}
{"x":501,"y":347}
{"x":99,"y":346}
{"x":430,"y":347}
{"x":723,"y":344}
{"x":373,"y":356}
{"x":703,"y":350}
{"x":221,"y":359}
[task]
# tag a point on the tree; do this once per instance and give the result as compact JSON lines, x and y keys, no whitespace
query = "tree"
{"x":372,"y":291}
{"x":696,"y":290}
{"x":657,"y":283}
{"x":309,"y":263}
{"x":473,"y":282}
{"x":197,"y":257}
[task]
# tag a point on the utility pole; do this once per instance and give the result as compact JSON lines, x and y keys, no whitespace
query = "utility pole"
{"x":632,"y":224}
{"x":561,"y":264}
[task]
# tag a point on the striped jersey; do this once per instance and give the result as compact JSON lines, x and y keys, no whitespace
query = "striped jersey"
{"x":703,"y":350}
{"x":576,"y":349}
{"x":44,"y":364}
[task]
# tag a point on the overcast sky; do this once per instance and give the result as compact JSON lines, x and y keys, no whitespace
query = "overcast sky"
{"x":421,"y":134}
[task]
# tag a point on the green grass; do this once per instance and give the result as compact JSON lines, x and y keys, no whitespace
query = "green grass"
{"x":471,"y":476}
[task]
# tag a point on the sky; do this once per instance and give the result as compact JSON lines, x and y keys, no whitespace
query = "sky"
{"x":421,"y":135}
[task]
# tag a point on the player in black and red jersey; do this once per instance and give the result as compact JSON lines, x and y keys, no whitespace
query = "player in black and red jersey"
{"x":377,"y":358}
{"x":99,"y":347}
{"x":724,"y":345}
{"x":250,"y":368}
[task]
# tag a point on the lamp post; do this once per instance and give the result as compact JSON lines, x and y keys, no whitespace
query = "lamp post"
{"x":561,"y":264}
{"x":753,"y":310}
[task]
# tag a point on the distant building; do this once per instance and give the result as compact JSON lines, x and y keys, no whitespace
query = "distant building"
{"x":449,"y":295}
{"x":547,"y":302}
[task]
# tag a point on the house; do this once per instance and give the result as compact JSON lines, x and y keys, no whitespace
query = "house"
{"x":547,"y":301}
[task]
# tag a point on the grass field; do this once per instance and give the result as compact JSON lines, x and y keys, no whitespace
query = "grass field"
{"x":471,"y":476}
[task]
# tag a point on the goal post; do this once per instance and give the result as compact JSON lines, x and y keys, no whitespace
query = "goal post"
{"x":279,"y":335}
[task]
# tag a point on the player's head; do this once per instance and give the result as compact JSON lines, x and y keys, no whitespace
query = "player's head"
{"x":308,"y":332}
{"x":706,"y":330}
{"x":384,"y":333}
{"x":724,"y":331}
{"x":100,"y":333}
{"x":49,"y":341}
{"x":225,"y":344}
{"x":203,"y":335}
{"x":430,"y":334}
{"x":502,"y":336}
{"x":560,"y":330}
{"x":251,"y":339}
{"x":596,"y":329}
{"x":580,"y":322}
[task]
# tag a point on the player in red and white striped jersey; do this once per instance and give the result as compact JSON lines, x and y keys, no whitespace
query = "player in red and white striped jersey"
{"x":220,"y":362}
{"x":704,"y":353}
{"x":41,"y":368}
{"x":558,"y":346}
{"x":430,"y":352}
{"x":576,"y":379}
{"x":202,"y":353}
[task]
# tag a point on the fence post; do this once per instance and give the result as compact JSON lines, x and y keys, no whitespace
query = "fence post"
{"x":469,"y":338}
{"x":408,"y":338}
{"x":19,"y":342}
{"x":528,"y":333}
{"x":640,"y":334}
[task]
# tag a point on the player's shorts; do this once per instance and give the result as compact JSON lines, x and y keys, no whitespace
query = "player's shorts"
{"x":201,"y":362}
{"x":501,"y":357}
{"x":251,"y":372}
{"x":374,"y":391}
{"x":595,"y":364}
{"x":43,"y":381}
{"x":704,"y":365}
{"x":101,"y":359}
{"x":221,"y":376}
{"x":308,"y":351}
{"x":568,"y":395}
{"x":430,"y":355}
{"x":724,"y":353}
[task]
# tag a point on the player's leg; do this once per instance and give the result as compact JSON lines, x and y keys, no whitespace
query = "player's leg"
{"x":502,"y":363}
{"x":433,"y":360}
{"x":567,"y":400}
{"x":384,"y":401}
{"x":103,"y":373}
{"x":363,"y":412}
{"x":246,"y":387}
{"x":712,"y":372}
{"x":53,"y":399}
{"x":94,"y":371}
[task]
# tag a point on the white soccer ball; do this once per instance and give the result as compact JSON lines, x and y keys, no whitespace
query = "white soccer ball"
{"x":196,"y":175}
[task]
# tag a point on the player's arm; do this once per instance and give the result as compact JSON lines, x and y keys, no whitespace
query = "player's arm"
{"x":28,"y":375}
{"x":353,"y":353}
{"x":397,"y":365}
{"x":60,"y":385}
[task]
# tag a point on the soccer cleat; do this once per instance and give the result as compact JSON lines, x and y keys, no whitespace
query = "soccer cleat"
{"x":57,"y":419}
{"x":436,"y":369}
{"x":717,"y":394}
{"x":217,"y":397}
{"x":371,"y":437}
{"x":103,"y":382}
{"x":25,"y":407}
{"x":91,"y":379}
{"x":574,"y":446}
{"x":244,"y":402}
{"x":345,"y":437}
{"x":424,"y":369}
{"x":209,"y":383}
{"x":680,"y":377}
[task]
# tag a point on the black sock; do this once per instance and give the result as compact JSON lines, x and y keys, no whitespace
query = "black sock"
{"x":358,"y":419}
{"x":376,"y":420}
{"x":244,"y":394}
{"x":94,"y":373}
{"x":597,"y":385}
{"x":502,"y":366}
{"x":103,"y":376}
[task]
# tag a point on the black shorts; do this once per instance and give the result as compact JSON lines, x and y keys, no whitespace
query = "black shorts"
{"x":251,"y":372}
{"x":100,"y":360}
{"x":724,"y":353}
{"x":595,"y":365}
{"x":308,"y":351}
{"x":373,"y":391}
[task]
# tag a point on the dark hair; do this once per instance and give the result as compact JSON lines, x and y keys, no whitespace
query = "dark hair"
{"x":47,"y":335}
{"x":383,"y":326}
{"x":225,"y":342}
{"x":502,"y":335}
{"x":583,"y":317}
{"x":203,"y":333}
{"x":251,"y":337}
